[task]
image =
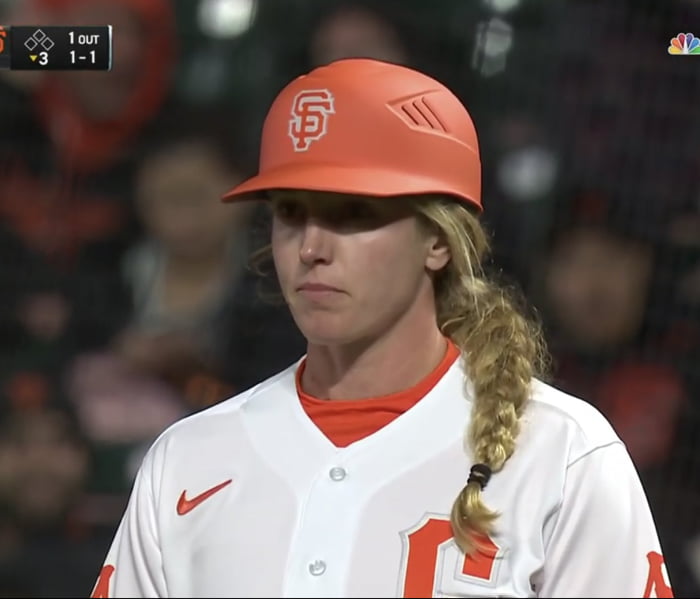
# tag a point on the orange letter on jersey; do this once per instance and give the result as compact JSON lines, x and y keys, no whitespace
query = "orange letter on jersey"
{"x":3,"y":34}
{"x":656,"y":581}
{"x":423,"y":547}
{"x":102,"y":587}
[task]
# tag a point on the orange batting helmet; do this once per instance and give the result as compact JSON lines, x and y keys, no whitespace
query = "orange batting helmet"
{"x":366,"y":127}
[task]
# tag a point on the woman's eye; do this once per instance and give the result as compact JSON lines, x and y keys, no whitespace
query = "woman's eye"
{"x":346,"y":214}
{"x":359,"y":211}
{"x":289,"y":211}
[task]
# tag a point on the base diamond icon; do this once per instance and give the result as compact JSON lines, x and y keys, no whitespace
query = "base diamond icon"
{"x":39,"y":38}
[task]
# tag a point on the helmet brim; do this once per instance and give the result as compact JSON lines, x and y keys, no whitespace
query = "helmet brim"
{"x":368,"y":181}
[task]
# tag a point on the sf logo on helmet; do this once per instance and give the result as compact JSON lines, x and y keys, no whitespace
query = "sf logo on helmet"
{"x":310,"y":111}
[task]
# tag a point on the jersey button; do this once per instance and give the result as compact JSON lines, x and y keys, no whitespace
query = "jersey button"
{"x":337,"y":473}
{"x":317,"y":567}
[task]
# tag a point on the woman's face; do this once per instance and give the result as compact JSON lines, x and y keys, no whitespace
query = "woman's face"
{"x":350,"y":267}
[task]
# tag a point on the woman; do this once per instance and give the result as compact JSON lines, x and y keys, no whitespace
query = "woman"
{"x":348,"y":474}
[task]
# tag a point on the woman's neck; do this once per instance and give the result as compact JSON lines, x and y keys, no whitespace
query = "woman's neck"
{"x":394,"y":362}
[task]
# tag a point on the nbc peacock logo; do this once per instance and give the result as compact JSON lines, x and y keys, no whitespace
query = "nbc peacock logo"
{"x":684,"y":43}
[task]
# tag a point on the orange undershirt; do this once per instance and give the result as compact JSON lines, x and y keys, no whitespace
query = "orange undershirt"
{"x":347,"y":421}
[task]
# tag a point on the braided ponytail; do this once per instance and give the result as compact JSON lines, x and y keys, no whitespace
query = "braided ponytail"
{"x":503,"y":351}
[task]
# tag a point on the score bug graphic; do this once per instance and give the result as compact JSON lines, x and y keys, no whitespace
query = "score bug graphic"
{"x":58,"y":48}
{"x":39,"y":40}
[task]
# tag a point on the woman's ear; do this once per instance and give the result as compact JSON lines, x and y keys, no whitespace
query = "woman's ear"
{"x":438,"y":254}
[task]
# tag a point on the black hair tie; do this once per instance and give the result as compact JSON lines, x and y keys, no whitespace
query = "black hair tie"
{"x":481,"y":474}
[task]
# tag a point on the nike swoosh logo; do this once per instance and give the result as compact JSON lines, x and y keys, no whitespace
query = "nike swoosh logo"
{"x":185,"y":505}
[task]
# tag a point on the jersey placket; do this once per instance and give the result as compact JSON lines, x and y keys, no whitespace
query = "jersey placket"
{"x":323,"y":540}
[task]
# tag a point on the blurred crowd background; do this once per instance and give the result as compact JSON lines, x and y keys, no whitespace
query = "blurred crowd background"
{"x":127,"y":297}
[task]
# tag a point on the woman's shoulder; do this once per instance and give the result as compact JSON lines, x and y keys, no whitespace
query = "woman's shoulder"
{"x":573,"y":422}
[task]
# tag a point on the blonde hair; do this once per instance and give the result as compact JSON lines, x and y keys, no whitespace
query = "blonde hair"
{"x":503,"y":350}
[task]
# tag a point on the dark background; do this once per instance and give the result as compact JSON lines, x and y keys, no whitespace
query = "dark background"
{"x":126,"y":297}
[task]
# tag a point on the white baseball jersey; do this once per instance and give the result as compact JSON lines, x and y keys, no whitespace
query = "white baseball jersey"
{"x":248,"y":498}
